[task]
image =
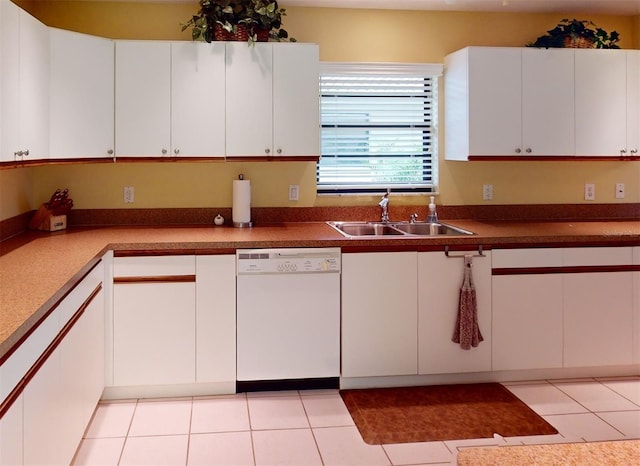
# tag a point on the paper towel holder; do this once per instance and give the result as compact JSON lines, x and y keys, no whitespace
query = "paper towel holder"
{"x":248,"y":224}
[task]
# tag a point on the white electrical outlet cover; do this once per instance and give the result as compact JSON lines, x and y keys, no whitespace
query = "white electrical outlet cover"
{"x":589,"y":192}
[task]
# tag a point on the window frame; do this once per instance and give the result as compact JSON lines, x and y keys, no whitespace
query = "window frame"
{"x":422,"y":70}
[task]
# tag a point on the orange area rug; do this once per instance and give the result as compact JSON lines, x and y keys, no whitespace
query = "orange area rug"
{"x":441,"y":412}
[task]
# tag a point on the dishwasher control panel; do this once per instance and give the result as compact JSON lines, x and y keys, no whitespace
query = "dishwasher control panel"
{"x":284,"y":260}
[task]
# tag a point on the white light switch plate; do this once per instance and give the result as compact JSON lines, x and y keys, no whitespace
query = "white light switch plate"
{"x":294,"y":192}
{"x":487,"y":192}
{"x":128,"y":194}
{"x":589,"y":192}
{"x":619,"y":190}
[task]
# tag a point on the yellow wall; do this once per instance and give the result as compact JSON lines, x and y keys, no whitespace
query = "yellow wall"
{"x":343,"y":35}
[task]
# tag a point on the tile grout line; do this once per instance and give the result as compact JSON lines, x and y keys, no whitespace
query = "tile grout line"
{"x":126,"y":437}
{"x":313,"y":434}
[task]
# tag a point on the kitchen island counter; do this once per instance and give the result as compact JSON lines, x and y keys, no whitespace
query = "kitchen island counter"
{"x":37,"y":270}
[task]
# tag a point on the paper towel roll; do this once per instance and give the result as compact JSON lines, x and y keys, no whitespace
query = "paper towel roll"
{"x":241,"y":203}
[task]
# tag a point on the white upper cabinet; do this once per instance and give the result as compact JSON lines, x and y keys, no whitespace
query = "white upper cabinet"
{"x":633,"y":102}
{"x":502,"y":101}
{"x":197,"y":99}
{"x":24,"y":97}
{"x":249,"y":72}
{"x":143,"y":98}
{"x":82,"y":93}
{"x":547,"y":102}
{"x":296,"y":111}
{"x":169,"y":99}
{"x":601,"y":102}
{"x":272,"y":90}
{"x":483,"y":114}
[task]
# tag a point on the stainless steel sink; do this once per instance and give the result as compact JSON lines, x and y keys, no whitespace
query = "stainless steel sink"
{"x":396,"y":229}
{"x":430,"y":229}
{"x":355,"y":229}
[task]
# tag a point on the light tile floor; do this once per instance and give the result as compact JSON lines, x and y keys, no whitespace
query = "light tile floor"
{"x":314,"y":427}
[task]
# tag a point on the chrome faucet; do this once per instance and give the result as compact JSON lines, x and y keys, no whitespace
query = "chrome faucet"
{"x":413,"y":218}
{"x":384,"y":204}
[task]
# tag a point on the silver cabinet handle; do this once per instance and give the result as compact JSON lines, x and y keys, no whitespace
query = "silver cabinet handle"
{"x":25,"y":152}
{"x":267,"y":151}
{"x":528,"y":150}
{"x":110,"y":152}
{"x":518,"y":150}
{"x":176,"y":151}
{"x":623,"y":151}
{"x":279,"y":151}
{"x":164,"y":151}
{"x":634,"y":151}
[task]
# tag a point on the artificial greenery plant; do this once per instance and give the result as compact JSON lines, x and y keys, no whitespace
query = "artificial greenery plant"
{"x":262,"y":18}
{"x":568,"y":30}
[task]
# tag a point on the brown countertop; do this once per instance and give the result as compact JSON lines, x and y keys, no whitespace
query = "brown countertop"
{"x":38,"y":269}
{"x":619,"y":453}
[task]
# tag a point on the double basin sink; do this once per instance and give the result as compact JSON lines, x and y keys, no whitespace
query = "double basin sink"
{"x":396,"y":229}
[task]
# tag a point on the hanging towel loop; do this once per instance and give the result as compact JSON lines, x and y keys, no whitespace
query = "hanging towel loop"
{"x":448,"y":254}
{"x":467,"y":332}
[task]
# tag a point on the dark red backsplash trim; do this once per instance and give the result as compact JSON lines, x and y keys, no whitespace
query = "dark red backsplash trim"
{"x":204,"y":216}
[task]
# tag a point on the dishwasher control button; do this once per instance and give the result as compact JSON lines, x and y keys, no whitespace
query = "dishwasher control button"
{"x":287,"y":267}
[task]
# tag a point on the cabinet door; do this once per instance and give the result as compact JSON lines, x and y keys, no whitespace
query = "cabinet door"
{"x":598,"y":319}
{"x":636,"y":306}
{"x":9,"y":80}
{"x":601,"y":105}
{"x":197,"y":99}
{"x":439,"y":282}
{"x":11,"y":435}
{"x":143,"y":98}
{"x":45,"y":432}
{"x":379,"y":314}
{"x":527,"y":322}
{"x":82,"y":108}
{"x":547,"y":102}
{"x":34,"y":87}
{"x":154,"y":333}
{"x":216,"y":318}
{"x":82,"y":370}
{"x":633,"y":102}
{"x":249,"y":94}
{"x":495,"y":107}
{"x":296,"y":112}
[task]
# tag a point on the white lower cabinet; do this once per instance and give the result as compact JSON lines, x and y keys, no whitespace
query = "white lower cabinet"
{"x":439,"y":281}
{"x":11,"y":434}
{"x":44,"y":429}
{"x":174,"y":322}
{"x":379,"y":314}
{"x":635,"y":277}
{"x":216,"y":318}
{"x":59,"y":400}
{"x":598,"y":318}
{"x":557,"y":308}
{"x":154,"y":320}
{"x":527,"y":322}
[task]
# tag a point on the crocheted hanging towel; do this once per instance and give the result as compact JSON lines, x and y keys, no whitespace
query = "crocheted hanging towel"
{"x":467,"y":332}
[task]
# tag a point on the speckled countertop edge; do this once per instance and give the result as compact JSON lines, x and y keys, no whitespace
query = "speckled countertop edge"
{"x":39,"y":269}
{"x":622,"y":452}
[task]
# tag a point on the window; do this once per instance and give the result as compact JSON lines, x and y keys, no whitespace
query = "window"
{"x":378,"y":128}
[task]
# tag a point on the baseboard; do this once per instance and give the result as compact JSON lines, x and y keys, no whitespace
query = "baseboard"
{"x":169,"y":391}
{"x":496,"y":376}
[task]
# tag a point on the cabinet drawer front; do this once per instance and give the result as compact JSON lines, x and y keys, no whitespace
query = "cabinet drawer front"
{"x":597,"y":256}
{"x":153,"y":266}
{"x":511,"y":258}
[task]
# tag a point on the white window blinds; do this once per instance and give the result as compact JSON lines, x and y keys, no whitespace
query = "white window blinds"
{"x":378,"y":128}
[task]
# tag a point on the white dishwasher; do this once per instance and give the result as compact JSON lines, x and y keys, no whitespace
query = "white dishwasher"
{"x":288,"y":318}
